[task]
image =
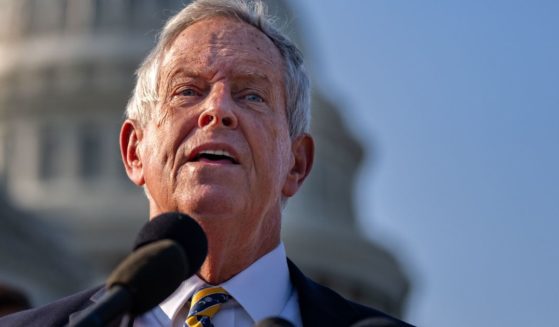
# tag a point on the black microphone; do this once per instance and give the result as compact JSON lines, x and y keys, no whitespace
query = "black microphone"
{"x":274,"y":322}
{"x":168,"y":249}
{"x":144,"y":279}
{"x":376,"y":322}
{"x":180,"y":228}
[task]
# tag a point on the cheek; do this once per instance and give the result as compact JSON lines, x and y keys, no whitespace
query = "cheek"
{"x":157,"y":157}
{"x":155,"y":150}
{"x":277,"y":149}
{"x":282,"y":144}
{"x":170,"y":135}
{"x":285,"y":160}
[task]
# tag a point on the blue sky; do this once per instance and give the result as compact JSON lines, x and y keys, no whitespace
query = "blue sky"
{"x":457,"y":103}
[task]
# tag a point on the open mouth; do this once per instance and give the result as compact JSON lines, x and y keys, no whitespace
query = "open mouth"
{"x":215,"y":156}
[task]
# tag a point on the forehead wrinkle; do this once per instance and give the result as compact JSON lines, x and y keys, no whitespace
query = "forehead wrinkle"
{"x":237,"y":35}
{"x":209,"y":57}
{"x":197,"y":67}
{"x":213,"y":49}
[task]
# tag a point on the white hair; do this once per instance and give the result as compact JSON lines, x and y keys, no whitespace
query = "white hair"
{"x":145,"y":97}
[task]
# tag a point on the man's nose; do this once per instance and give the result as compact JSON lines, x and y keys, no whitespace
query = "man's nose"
{"x":219,"y":110}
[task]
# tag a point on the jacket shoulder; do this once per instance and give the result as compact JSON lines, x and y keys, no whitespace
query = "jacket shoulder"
{"x":51,"y":315}
{"x":321,"y":306}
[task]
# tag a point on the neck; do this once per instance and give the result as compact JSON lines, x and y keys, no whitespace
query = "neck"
{"x":230,"y":253}
{"x":232,"y":249}
{"x":223,"y":262}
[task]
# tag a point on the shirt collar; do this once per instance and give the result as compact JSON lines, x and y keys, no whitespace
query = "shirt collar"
{"x":172,"y":305}
{"x":268,"y":279}
{"x":268,"y":276}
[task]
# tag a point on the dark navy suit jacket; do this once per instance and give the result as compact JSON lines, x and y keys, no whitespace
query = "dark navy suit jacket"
{"x":319,"y":306}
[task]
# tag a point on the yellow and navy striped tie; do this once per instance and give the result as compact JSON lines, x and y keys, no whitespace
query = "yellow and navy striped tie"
{"x":204,"y":305}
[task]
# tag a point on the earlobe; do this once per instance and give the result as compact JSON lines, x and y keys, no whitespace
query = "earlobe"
{"x":130,"y":137}
{"x":303,"y":154}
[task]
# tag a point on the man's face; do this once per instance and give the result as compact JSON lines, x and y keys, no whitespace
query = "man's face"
{"x":218,"y":147}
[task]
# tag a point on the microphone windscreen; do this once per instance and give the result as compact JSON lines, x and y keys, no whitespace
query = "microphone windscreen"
{"x":180,"y":228}
{"x":274,"y":322}
{"x":151,"y":274}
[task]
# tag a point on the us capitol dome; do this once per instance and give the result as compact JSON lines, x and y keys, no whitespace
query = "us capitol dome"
{"x":69,"y":214}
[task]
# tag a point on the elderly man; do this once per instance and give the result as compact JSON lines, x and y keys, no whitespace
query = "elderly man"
{"x":217,"y":128}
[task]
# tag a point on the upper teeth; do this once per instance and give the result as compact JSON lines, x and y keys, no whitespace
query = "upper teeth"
{"x":216,"y":152}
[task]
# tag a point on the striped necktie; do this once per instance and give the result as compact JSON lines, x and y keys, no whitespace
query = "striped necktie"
{"x":204,"y":305}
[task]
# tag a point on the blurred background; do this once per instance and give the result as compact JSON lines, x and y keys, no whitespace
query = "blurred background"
{"x":435,"y":188}
{"x":457,"y":106}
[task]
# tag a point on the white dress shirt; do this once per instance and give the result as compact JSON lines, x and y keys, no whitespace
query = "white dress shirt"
{"x":262,"y":290}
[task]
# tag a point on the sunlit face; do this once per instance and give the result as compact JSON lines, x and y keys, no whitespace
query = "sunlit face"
{"x":219,"y":146}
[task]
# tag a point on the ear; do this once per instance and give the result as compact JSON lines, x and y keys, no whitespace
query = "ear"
{"x":303,"y":154}
{"x":130,"y":137}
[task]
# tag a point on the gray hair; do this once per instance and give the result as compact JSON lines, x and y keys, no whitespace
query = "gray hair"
{"x":145,"y":97}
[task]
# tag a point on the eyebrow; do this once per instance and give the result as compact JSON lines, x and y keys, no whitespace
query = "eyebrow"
{"x":251,"y":76}
{"x":182,"y":72}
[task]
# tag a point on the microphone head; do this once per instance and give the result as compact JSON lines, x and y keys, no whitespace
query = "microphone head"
{"x":151,"y":274}
{"x":180,"y":228}
{"x":274,"y":322}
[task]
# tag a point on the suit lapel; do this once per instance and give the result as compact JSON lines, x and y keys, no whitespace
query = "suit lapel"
{"x":315,"y":305}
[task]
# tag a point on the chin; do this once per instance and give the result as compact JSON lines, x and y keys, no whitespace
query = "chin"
{"x":211,"y":203}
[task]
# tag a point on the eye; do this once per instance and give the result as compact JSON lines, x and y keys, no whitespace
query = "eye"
{"x":188,"y":92}
{"x":253,"y":98}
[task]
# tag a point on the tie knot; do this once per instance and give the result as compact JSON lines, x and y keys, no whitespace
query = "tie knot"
{"x":205,"y":304}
